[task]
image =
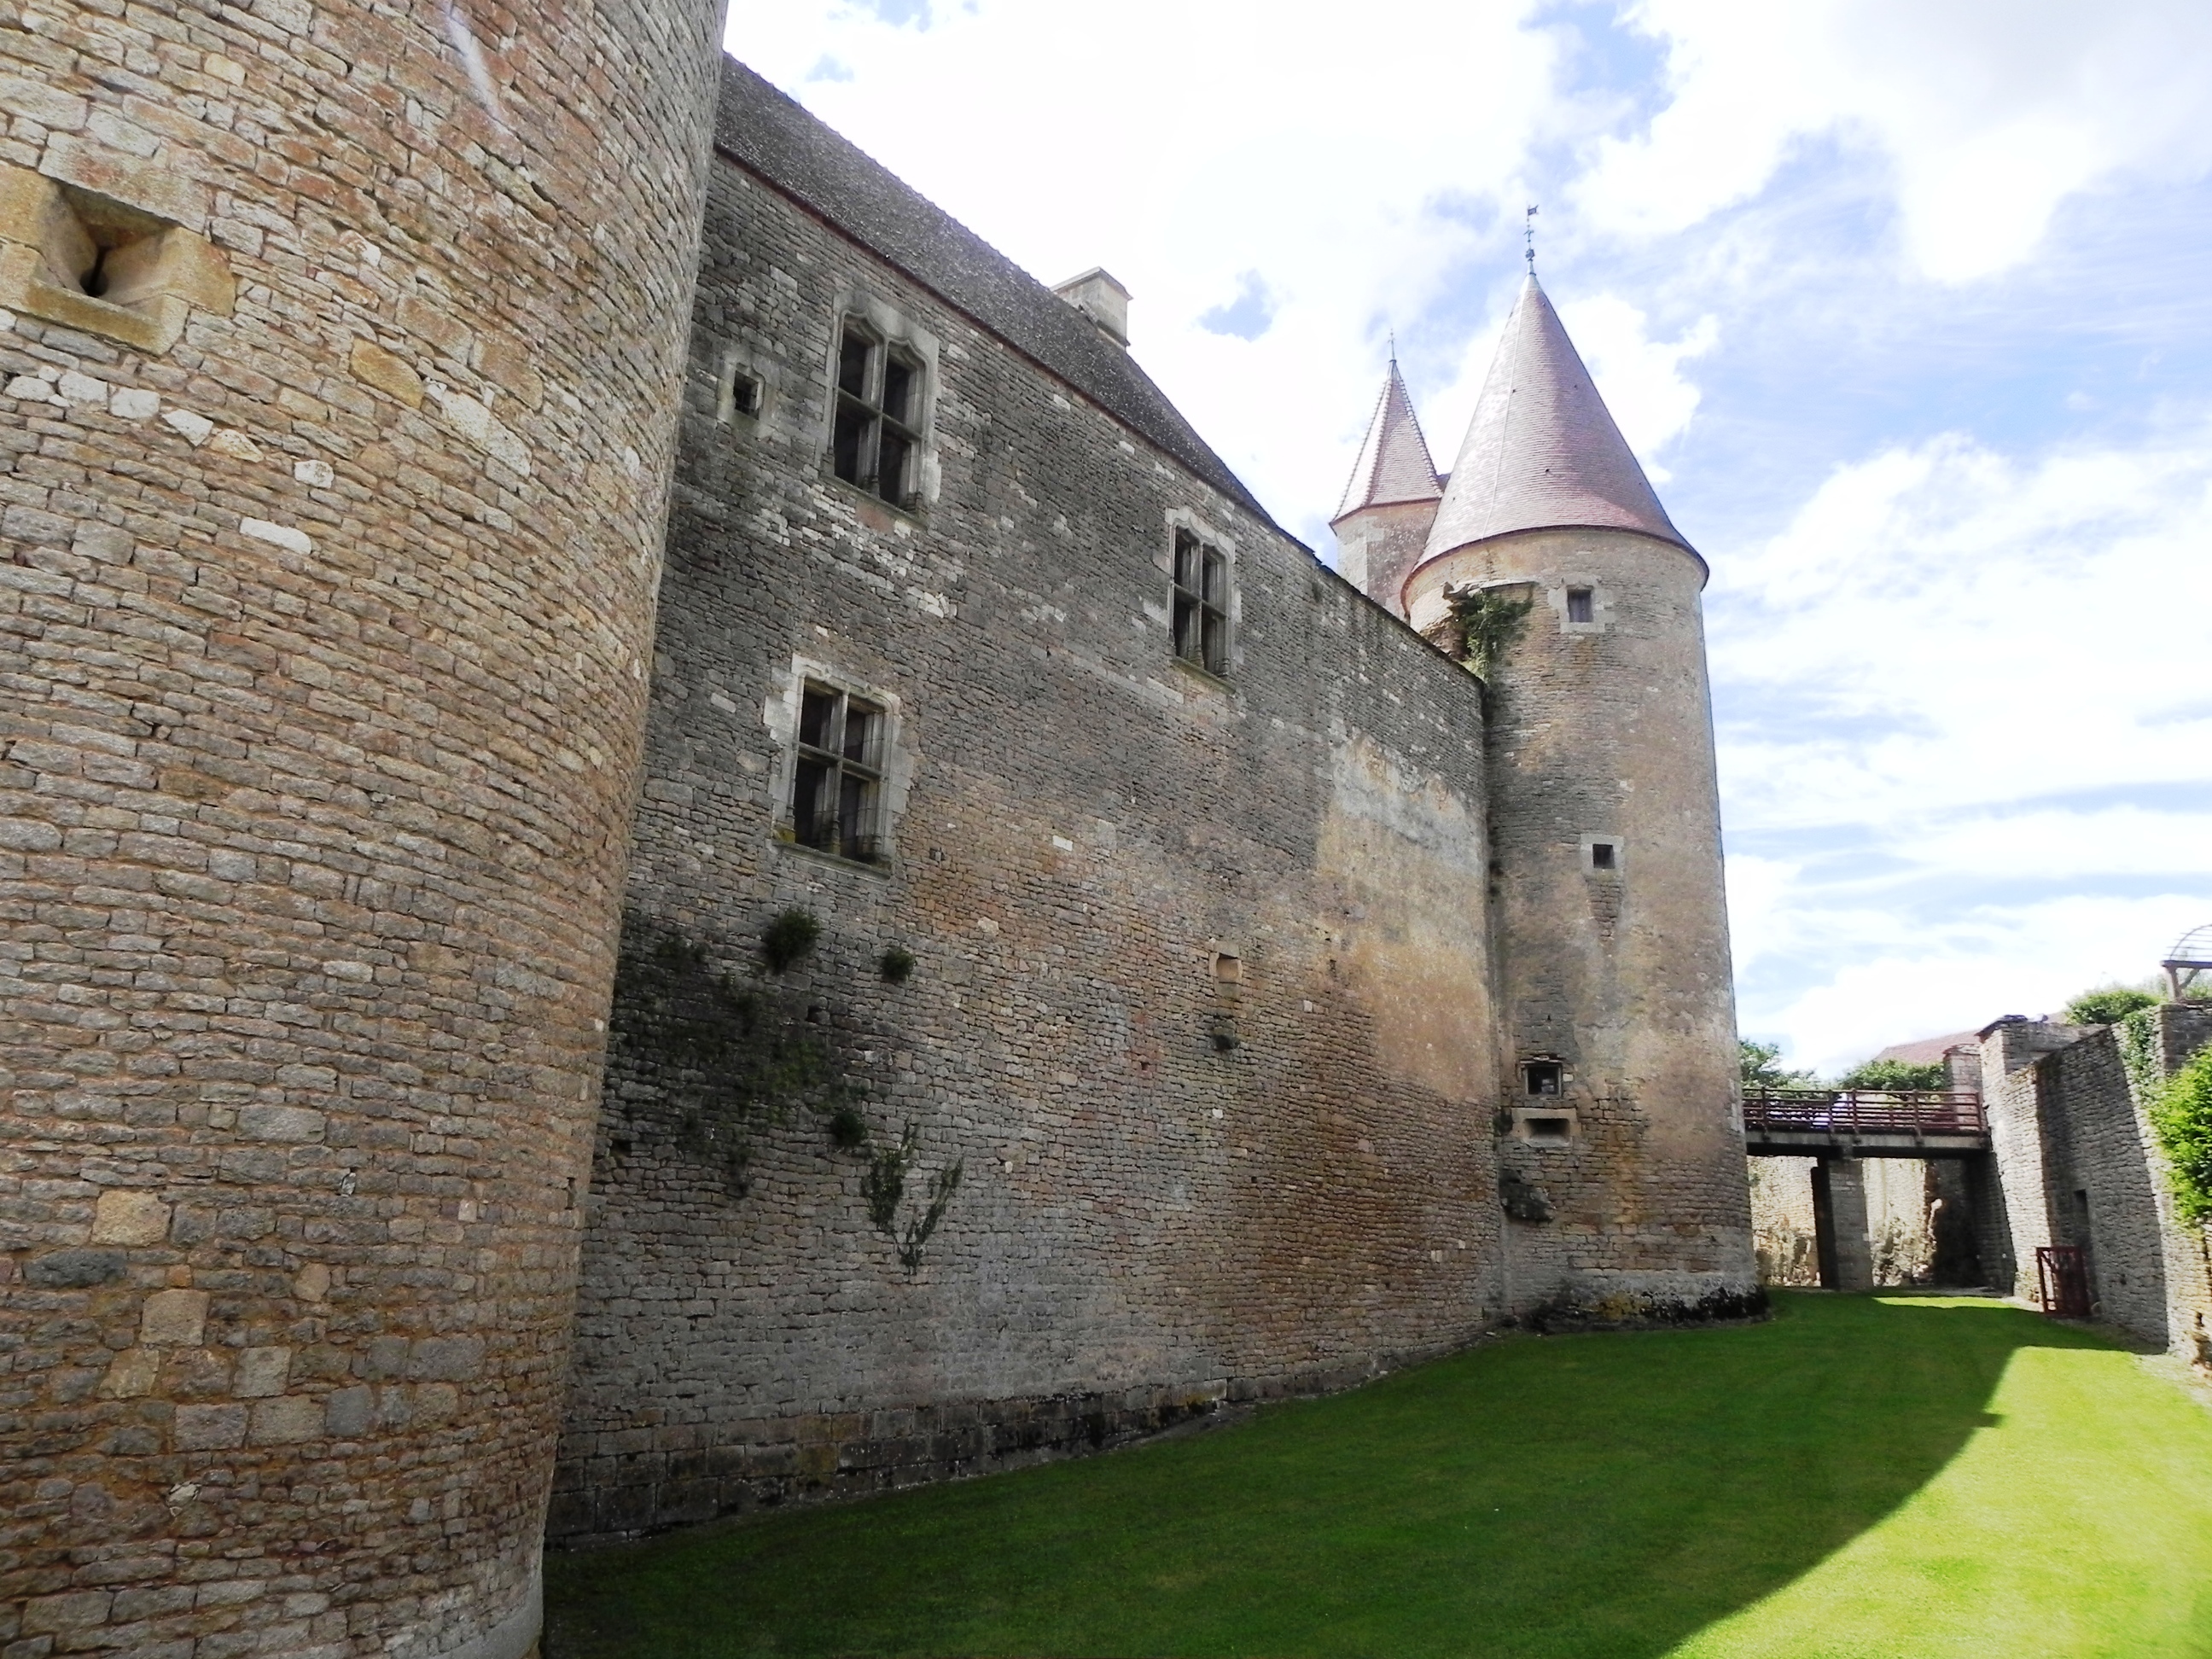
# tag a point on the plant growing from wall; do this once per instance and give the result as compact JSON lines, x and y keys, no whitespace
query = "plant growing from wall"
{"x":789,"y":938}
{"x":731,"y":1059}
{"x":896,"y":965}
{"x":2179,"y":1108}
{"x":1488,"y":622}
{"x":885,"y":1188}
{"x":2182,"y":1118}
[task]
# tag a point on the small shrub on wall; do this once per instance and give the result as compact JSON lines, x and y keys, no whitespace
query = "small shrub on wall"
{"x":2182,"y":1116}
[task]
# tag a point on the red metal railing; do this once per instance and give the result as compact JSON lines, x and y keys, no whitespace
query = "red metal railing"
{"x":1866,"y":1111}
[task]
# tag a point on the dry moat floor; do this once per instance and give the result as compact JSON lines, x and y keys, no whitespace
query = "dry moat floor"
{"x":1880,"y":1477}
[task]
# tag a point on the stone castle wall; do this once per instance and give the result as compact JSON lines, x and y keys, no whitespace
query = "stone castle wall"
{"x":330,"y":528}
{"x":1201,"y":1004}
{"x":2079,"y":1165}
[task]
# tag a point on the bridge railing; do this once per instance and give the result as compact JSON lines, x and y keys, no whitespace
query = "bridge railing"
{"x":1866,"y":1111}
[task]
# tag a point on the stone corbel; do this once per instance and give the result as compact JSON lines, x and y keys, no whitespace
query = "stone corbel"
{"x":70,"y":256}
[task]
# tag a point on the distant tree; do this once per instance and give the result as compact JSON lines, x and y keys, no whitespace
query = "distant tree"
{"x":2108,"y":1005}
{"x":1761,"y":1066}
{"x":1896,"y":1074}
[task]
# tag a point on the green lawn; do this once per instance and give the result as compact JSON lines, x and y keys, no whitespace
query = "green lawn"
{"x":1900,"y":1477}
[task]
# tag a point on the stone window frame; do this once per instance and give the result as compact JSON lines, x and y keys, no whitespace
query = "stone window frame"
{"x":105,"y":266}
{"x":899,"y":332}
{"x":1601,"y":603}
{"x":895,"y":768}
{"x":1181,"y":521}
{"x":1618,"y":868}
{"x":738,"y":367}
{"x":1526,"y":1118}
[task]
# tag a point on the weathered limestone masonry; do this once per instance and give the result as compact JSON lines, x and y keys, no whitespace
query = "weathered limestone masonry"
{"x":1202,"y":1003}
{"x":2077,"y":1165}
{"x":1611,"y":923}
{"x":1912,"y":1208}
{"x":340,"y":347}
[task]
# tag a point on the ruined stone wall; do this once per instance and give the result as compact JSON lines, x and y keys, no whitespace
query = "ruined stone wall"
{"x":1601,"y":731}
{"x":339,"y":353}
{"x":1201,"y":1004}
{"x":2183,"y":1031}
{"x":2016,"y":1201}
{"x":2079,"y":1165}
{"x":1902,"y":1230}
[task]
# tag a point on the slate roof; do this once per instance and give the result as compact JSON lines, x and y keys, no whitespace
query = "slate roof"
{"x":1394,"y":463}
{"x":768,"y":134}
{"x":1542,"y":451}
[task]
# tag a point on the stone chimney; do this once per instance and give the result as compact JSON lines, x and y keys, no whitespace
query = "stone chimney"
{"x":1102,"y":300}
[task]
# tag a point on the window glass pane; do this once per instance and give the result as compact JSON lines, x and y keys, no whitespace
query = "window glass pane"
{"x":856,"y":803}
{"x":810,"y":822}
{"x":890,"y":465}
{"x":853,"y":361}
{"x":863,"y":730}
{"x":1217,"y":579}
{"x":1186,"y":626}
{"x":1578,"y":604}
{"x":1186,"y":560}
{"x":898,"y":389}
{"x":848,"y":445}
{"x":1217,"y":643}
{"x":817,"y":716}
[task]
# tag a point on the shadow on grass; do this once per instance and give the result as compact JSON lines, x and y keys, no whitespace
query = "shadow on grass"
{"x":1576,"y":1496}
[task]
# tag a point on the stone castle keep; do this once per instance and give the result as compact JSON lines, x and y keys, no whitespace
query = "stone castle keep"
{"x":456,"y":613}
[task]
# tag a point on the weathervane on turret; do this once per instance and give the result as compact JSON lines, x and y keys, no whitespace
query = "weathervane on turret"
{"x":1528,"y":233}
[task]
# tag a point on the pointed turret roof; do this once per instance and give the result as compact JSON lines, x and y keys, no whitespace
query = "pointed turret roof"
{"x":1394,"y":463}
{"x":1542,"y":451}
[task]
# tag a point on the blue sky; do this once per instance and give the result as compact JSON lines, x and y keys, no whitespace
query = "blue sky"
{"x":1905,"y":307}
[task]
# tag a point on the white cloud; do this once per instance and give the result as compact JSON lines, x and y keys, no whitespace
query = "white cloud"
{"x":1987,"y":112}
{"x":1965,"y":973}
{"x":1941,"y":627}
{"x":1952,"y":669}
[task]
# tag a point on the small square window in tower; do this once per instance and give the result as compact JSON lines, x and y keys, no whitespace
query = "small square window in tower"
{"x":1581,"y":605}
{"x":1602,"y":856}
{"x":876,"y":435}
{"x":836,"y":784}
{"x":1202,"y":604}
{"x":1543,"y":1076}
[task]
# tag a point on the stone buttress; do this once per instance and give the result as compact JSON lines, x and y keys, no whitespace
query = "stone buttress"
{"x":339,"y":350}
{"x":1623,"y":1156}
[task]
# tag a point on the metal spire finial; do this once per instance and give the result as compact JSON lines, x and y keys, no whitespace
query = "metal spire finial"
{"x":1528,"y":233}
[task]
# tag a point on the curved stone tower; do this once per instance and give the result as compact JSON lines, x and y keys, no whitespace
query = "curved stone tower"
{"x":1382,"y":525}
{"x":340,"y":347}
{"x":1613,"y":930}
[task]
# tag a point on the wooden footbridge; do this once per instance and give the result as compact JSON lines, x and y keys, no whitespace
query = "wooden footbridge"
{"x":1863,"y":1123}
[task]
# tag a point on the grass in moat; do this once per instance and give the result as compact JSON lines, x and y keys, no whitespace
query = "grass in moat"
{"x":1878,"y":1477}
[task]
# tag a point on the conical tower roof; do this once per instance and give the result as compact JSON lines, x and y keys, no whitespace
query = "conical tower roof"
{"x":1542,"y":451}
{"x":1394,"y":463}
